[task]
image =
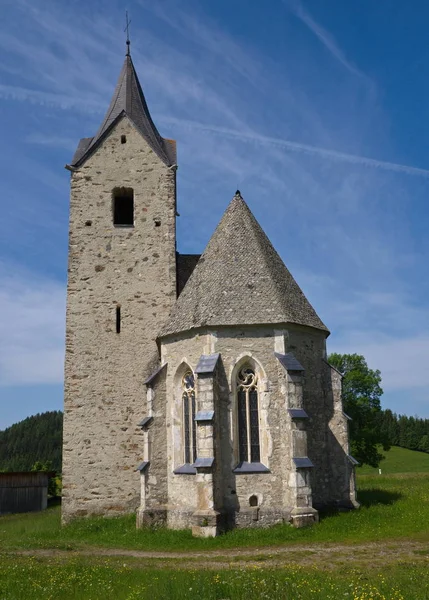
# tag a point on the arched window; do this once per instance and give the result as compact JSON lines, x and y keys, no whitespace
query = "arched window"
{"x":189,"y":428}
{"x":248,"y":415}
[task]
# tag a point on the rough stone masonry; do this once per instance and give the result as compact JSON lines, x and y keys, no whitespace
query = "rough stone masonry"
{"x":197,"y":391}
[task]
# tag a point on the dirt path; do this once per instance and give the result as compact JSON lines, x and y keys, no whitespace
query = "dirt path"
{"x":324,"y":556}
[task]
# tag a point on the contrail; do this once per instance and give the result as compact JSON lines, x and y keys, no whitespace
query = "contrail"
{"x":325,"y":38}
{"x":298,"y":147}
{"x":64,"y":101}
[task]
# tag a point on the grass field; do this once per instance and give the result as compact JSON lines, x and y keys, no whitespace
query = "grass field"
{"x":49,"y":580}
{"x":380,"y":551}
{"x":399,"y":460}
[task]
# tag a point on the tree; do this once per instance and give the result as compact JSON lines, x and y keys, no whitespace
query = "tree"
{"x":424,"y":443}
{"x":361,"y":401}
{"x":36,"y":438}
{"x":55,"y":484}
{"x":389,"y":427}
{"x":42,"y":466}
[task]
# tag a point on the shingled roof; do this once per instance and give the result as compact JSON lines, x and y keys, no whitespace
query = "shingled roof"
{"x":240,"y":280}
{"x":128,"y":99}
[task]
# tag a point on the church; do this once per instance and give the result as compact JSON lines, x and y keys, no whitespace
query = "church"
{"x":197,"y":388}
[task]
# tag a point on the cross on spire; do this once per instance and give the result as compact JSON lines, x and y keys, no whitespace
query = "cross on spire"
{"x":127,"y":30}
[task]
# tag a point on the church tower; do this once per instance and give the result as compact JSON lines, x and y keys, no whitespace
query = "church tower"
{"x":121,"y":289}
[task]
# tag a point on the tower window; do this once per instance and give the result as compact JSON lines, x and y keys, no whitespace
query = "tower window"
{"x":123,"y":139}
{"x":123,"y":207}
{"x":248,"y":415}
{"x":189,"y":427}
{"x":118,"y":319}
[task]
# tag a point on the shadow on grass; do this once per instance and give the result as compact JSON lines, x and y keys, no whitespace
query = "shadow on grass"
{"x":366,"y":497}
{"x":370,"y":497}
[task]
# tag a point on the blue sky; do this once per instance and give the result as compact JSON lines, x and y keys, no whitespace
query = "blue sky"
{"x":317,"y":112}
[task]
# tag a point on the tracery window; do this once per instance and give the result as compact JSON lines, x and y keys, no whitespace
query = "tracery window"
{"x":248,"y":415}
{"x":189,"y":426}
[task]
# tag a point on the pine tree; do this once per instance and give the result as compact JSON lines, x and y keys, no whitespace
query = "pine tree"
{"x":37,"y":438}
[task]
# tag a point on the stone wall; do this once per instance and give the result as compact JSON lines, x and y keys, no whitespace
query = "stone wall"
{"x":342,"y":480}
{"x":130,"y":267}
{"x":284,"y":487}
{"x":323,"y":447}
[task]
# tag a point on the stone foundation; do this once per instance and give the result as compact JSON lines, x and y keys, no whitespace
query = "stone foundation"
{"x":303,"y":517}
{"x":151,"y":518}
{"x":261,"y":517}
{"x":209,"y":523}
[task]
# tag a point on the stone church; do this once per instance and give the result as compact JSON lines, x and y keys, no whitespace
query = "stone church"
{"x":197,"y":391}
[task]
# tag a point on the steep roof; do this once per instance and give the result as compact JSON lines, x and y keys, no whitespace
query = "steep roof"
{"x":128,"y":99}
{"x":240,"y":280}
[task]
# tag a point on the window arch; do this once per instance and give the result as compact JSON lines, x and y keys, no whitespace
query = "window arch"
{"x":248,"y":414}
{"x":189,"y":426}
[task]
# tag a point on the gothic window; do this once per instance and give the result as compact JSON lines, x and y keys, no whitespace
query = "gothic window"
{"x":248,"y":416}
{"x":189,"y":426}
{"x":123,"y":207}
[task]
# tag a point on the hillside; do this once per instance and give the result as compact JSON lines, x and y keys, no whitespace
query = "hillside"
{"x":399,"y":460}
{"x":37,"y":438}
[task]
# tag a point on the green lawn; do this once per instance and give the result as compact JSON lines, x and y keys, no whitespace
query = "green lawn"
{"x":394,"y":511}
{"x":393,"y":506}
{"x":48,"y":580}
{"x":399,"y":460}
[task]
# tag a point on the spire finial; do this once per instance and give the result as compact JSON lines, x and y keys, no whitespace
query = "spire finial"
{"x":127,"y":30}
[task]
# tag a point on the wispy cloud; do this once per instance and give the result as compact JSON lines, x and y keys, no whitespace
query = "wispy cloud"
{"x":264,"y":140}
{"x":63,"y":101}
{"x":326,"y":38}
{"x":31,"y":329}
{"x":208,"y":35}
{"x":309,"y":164}
{"x":395,"y":358}
{"x":53,"y":141}
{"x":395,"y":311}
{"x":389,"y":328}
{"x":56,"y":70}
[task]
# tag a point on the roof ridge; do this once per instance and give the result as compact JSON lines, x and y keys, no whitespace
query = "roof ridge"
{"x":273,"y":268}
{"x":270,"y":264}
{"x":263,"y":235}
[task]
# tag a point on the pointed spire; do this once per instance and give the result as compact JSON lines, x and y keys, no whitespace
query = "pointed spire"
{"x":240,"y":280}
{"x":128,"y":99}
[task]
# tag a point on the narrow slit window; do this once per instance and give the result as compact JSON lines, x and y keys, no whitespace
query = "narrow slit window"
{"x":118,"y":319}
{"x":248,"y":415}
{"x":123,"y":207}
{"x":123,"y":139}
{"x":189,"y":426}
